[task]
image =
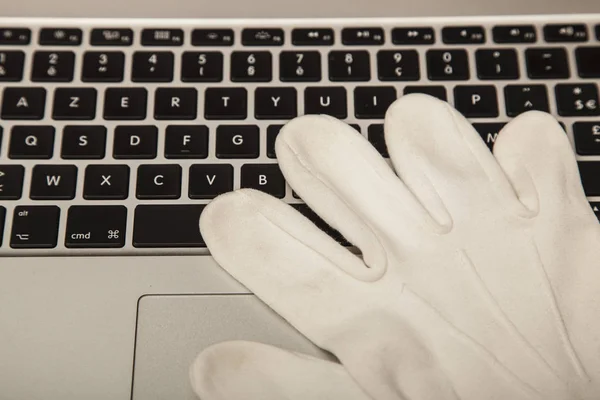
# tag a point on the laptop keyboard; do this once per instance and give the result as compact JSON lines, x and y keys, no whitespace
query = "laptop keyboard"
{"x":116,"y":134}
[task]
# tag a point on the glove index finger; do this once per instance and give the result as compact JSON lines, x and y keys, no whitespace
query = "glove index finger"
{"x":289,"y":263}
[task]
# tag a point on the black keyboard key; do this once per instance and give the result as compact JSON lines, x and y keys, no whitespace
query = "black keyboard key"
{"x":497,"y":64}
{"x":35,"y":227}
{"x":349,"y":66}
{"x":312,"y":37}
{"x":373,"y":102}
{"x":212,"y":37}
{"x":577,"y":100}
{"x":135,"y":142}
{"x":158,"y":181}
{"x":447,"y":65}
{"x":167,"y":226}
{"x":521,"y":98}
{"x":60,"y":37}
{"x":15,"y":36}
{"x":125,"y":103}
{"x":558,"y":33}
{"x":514,"y":34}
{"x":376,"y":136}
{"x":74,"y":104}
{"x":90,"y":227}
{"x":152,"y":66}
{"x":11,"y":66}
{"x":588,"y":61}
{"x":83,"y":142}
{"x":186,"y":141}
{"x":262,"y":37}
{"x":548,"y":63}
{"x":463,"y":35}
{"x":162,"y":37}
{"x":248,"y":66}
{"x":111,"y":37}
{"x":598,"y":31}
{"x":476,"y":101}
{"x":175,"y":103}
{"x":399,"y":65}
{"x":11,"y":182}
{"x":53,"y":66}
{"x":413,"y":36}
{"x":275,"y":103}
{"x":272,"y":132}
{"x":589,"y":172}
{"x":363,"y":36}
{"x":320,"y":223}
{"x":53,"y":182}
{"x":207,"y":181}
{"x":489,"y":132}
{"x":106,"y":182}
{"x":99,"y":66}
{"x":238,"y":141}
{"x":587,"y":138}
{"x":435,"y":91}
{"x":202,"y":66}
{"x":23,"y":103}
{"x":300,"y":66}
{"x":225,"y":103}
{"x":31,"y":142}
{"x":264,"y":177}
{"x":326,"y":100}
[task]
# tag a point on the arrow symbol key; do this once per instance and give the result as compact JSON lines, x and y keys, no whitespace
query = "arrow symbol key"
{"x":11,"y":181}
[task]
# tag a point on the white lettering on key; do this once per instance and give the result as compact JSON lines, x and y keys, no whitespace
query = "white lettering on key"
{"x":275,"y":101}
{"x":158,"y":180}
{"x":211,"y":179}
{"x":53,"y":180}
{"x":375,"y":101}
{"x":175,"y":102}
{"x":74,"y":102}
{"x":106,"y":180}
{"x":238,"y":140}
{"x":83,"y":141}
{"x":186,"y":139}
{"x":31,"y":140}
{"x":134,"y":140}
{"x":225,"y":101}
{"x":125,"y":102}
{"x":475,"y":99}
{"x":323,"y":102}
{"x":262,"y":180}
{"x":23,"y":102}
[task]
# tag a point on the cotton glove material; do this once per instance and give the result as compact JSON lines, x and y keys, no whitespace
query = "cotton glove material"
{"x":479,"y":277}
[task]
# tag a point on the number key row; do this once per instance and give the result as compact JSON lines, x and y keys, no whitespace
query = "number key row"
{"x":296,"y":66}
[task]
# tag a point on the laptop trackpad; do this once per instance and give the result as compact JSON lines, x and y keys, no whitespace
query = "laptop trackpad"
{"x":172,"y":330}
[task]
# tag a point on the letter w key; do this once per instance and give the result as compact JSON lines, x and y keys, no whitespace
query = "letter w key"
{"x":53,"y":182}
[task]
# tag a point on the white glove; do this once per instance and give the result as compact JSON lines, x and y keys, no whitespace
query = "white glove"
{"x":479,"y":280}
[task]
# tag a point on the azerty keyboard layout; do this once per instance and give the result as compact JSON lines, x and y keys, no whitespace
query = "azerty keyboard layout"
{"x":116,"y":133}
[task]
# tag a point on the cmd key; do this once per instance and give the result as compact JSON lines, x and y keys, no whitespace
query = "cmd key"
{"x":167,"y":226}
{"x":96,"y":227}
